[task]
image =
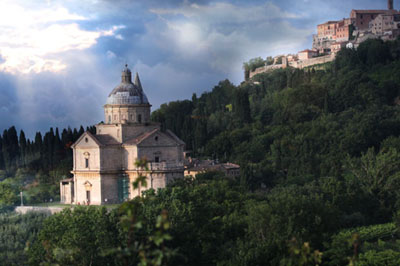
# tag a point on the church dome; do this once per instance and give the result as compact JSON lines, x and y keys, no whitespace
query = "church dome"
{"x":128,"y":92}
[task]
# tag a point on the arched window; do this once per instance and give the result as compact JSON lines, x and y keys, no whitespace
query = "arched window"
{"x":87,"y":156}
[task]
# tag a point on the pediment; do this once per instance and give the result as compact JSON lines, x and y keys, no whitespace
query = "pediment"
{"x":87,"y":140}
{"x":157,"y":138}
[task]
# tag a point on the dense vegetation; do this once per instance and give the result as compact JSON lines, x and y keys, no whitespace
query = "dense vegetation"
{"x":36,"y":166}
{"x":319,"y":152}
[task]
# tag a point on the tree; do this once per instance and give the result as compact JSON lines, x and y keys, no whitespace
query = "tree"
{"x":82,"y":236}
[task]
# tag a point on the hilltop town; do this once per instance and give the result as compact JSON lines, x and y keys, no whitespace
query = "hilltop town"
{"x":332,"y":36}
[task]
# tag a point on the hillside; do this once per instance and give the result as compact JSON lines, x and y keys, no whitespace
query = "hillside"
{"x":320,"y":178}
{"x":297,"y":125}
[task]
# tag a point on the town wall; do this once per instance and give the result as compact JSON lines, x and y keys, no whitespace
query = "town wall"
{"x":312,"y":61}
{"x":296,"y":64}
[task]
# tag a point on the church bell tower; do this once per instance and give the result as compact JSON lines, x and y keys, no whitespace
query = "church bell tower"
{"x":390,"y":4}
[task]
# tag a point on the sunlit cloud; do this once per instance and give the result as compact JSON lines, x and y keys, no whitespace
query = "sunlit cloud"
{"x":32,"y":40}
{"x":224,"y":35}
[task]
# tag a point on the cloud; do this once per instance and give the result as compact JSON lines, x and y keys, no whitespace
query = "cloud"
{"x":223,"y":35}
{"x":31,"y":40}
{"x":60,"y":59}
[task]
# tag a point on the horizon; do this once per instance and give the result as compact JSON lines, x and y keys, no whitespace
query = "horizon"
{"x":59,"y":61}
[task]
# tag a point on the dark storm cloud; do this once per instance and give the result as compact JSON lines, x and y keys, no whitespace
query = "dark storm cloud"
{"x":178,"y":47}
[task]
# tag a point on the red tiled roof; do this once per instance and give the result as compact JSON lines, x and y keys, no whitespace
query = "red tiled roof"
{"x":106,"y":139}
{"x":140,"y":138}
{"x":329,"y":22}
{"x":373,"y":11}
{"x":307,"y":51}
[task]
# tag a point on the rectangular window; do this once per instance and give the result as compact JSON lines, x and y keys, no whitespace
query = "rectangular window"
{"x":86,"y":162}
{"x":123,"y":188}
{"x":157,"y":159}
{"x":88,"y":196}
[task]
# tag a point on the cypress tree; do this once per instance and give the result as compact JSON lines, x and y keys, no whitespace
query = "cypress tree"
{"x":6,"y":151}
{"x":38,"y":147}
{"x":1,"y":154}
{"x":58,"y":147}
{"x":13,"y":148}
{"x":23,"y":148}
{"x":81,"y":131}
{"x":75,"y":135}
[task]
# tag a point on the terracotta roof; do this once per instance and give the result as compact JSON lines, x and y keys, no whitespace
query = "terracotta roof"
{"x":214,"y":167}
{"x":87,"y":133}
{"x":106,"y":139}
{"x":175,"y":137}
{"x":140,"y":138}
{"x":328,"y":22}
{"x":373,"y":11}
{"x":307,"y":51}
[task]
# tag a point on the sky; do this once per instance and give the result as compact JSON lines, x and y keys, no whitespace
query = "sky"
{"x":59,"y":60}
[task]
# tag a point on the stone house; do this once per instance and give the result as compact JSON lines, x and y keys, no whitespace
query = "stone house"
{"x":104,"y":164}
{"x":202,"y":166}
{"x":385,"y":24}
{"x":307,"y":54}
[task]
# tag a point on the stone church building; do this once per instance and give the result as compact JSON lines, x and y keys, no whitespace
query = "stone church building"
{"x":104,"y":164}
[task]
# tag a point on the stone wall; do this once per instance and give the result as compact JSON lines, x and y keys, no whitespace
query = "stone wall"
{"x":48,"y":210}
{"x":265,"y":69}
{"x":296,"y":64}
{"x":312,"y":61}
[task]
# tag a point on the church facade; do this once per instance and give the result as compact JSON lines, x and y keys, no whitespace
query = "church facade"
{"x":104,"y":164}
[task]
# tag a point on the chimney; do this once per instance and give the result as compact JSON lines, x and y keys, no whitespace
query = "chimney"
{"x":390,"y":4}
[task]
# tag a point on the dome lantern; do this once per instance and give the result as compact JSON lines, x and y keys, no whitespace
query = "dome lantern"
{"x":126,"y":75}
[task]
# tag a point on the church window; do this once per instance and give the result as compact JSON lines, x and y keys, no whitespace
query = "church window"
{"x":87,"y":162}
{"x":123,"y":188}
{"x":88,"y":196}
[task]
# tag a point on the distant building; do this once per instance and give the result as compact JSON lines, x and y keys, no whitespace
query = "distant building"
{"x":332,"y":36}
{"x":202,"y":166}
{"x":327,"y":30}
{"x":307,"y":54}
{"x":386,"y":24}
{"x":361,"y":18}
{"x":337,"y":46}
{"x":104,"y":164}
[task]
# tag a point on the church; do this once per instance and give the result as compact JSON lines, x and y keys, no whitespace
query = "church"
{"x":104,"y":164}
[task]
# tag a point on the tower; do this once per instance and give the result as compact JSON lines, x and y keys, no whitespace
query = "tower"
{"x":390,"y":4}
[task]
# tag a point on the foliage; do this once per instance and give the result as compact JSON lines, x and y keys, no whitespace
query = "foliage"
{"x":81,"y":236}
{"x":17,"y":232}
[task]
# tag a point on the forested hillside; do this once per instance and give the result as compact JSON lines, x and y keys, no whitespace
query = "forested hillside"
{"x":293,"y":126}
{"x":35,"y":166}
{"x":320,"y":178}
